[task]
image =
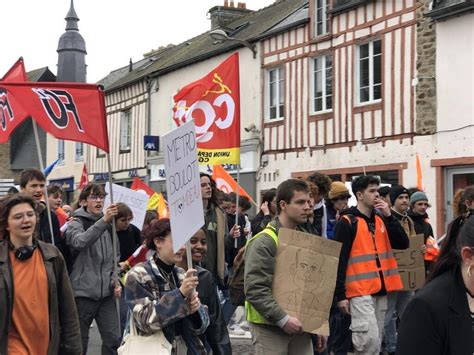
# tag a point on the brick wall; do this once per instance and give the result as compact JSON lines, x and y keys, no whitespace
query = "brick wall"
{"x":426,"y":67}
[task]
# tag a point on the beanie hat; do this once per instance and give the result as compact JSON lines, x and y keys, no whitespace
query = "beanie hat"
{"x":396,"y":191}
{"x":338,"y":189}
{"x":418,"y":196}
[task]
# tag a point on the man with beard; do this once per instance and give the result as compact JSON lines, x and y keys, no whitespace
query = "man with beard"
{"x":92,"y":276}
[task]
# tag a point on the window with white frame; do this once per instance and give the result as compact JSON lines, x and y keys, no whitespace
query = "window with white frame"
{"x":322,"y":83}
{"x":369,"y":67}
{"x":61,"y":151}
{"x":125,"y":131}
{"x":79,"y":151}
{"x":276,"y":93}
{"x":321,"y":18}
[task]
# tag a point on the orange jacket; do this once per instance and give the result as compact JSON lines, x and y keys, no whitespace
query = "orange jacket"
{"x":371,"y":255}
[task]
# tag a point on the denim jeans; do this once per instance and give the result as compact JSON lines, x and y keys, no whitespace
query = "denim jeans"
{"x":396,"y":304}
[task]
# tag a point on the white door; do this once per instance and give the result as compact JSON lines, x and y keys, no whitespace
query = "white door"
{"x":456,"y":178}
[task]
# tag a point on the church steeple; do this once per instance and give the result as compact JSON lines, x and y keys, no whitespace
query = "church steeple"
{"x":71,"y":51}
{"x":72,"y":18}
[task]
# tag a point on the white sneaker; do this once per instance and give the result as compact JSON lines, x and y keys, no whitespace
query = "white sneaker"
{"x":235,"y":329}
{"x":245,"y":325}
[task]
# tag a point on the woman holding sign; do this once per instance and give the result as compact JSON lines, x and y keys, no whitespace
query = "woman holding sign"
{"x":161,"y":296}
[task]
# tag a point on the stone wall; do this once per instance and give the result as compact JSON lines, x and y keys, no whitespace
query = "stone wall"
{"x":426,"y":68}
{"x":5,"y":168}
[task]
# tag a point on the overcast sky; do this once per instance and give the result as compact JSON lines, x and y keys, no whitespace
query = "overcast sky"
{"x":114,"y":30}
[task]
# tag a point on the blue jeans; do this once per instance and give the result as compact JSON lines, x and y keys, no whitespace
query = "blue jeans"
{"x":396,"y":302}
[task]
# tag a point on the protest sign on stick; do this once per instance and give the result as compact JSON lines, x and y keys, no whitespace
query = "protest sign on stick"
{"x":183,"y":184}
{"x":136,"y":200}
{"x":305,"y":278}
{"x":411,"y":264}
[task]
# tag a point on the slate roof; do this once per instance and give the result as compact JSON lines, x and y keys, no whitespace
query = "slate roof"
{"x":251,"y":27}
{"x":43,"y":74}
{"x":443,"y":9}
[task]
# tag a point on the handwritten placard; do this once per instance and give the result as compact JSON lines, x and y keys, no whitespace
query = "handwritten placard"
{"x":183,"y":183}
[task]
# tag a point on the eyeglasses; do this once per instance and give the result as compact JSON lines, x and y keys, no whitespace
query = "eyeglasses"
{"x":97,"y":197}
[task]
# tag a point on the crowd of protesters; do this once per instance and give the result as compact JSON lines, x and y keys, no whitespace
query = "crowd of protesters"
{"x":52,"y":294}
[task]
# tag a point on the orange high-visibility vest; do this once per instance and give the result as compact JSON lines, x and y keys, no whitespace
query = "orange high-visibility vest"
{"x":432,"y":249}
{"x":371,"y":256}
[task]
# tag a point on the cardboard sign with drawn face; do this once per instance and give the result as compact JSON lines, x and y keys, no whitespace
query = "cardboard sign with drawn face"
{"x":305,"y":278}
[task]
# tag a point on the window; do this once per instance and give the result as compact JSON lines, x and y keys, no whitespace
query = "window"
{"x":321,"y":18}
{"x":79,"y":151}
{"x":276,"y":90}
{"x":322,"y":76}
{"x":100,"y":153}
{"x":369,"y":57}
{"x":125,"y":131}
{"x":61,"y":151}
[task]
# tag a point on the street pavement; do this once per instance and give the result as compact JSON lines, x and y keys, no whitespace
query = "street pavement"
{"x":241,"y":345}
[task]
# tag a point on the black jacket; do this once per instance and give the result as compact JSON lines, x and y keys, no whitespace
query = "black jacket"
{"x":216,"y":335}
{"x":437,"y":321}
{"x":422,"y":226}
{"x":259,"y":222}
{"x":345,"y":233}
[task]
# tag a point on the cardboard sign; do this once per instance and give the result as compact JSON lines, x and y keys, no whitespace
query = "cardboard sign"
{"x":183,"y":184}
{"x":136,"y":200}
{"x":411,"y":264}
{"x":305,"y":278}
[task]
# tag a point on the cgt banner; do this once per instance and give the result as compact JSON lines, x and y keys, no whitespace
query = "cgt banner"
{"x":213,"y":102}
{"x":183,"y":183}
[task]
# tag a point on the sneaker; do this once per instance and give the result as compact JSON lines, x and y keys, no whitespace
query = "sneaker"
{"x":245,"y":325}
{"x":235,"y":329}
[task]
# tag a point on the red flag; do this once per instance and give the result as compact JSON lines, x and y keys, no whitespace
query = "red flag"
{"x":16,"y":72}
{"x":226,"y":183}
{"x":419,"y":175}
{"x":70,"y":111}
{"x":138,"y":184}
{"x":11,"y":113}
{"x":84,"y":178}
{"x":214,"y":103}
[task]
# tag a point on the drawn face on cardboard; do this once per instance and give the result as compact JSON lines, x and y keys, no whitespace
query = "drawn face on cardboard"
{"x":307,"y":270}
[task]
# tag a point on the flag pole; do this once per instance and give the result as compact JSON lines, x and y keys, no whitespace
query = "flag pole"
{"x":40,"y":158}
{"x":189,"y":257}
{"x":236,"y":243}
{"x":114,"y":241}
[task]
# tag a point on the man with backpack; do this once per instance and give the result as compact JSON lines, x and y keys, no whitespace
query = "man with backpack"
{"x":273,"y":330}
{"x":367,"y":267}
{"x":89,"y":236}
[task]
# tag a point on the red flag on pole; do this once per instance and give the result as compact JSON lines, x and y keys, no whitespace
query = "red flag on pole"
{"x":70,"y":111}
{"x":16,"y":72}
{"x":419,"y":174}
{"x":11,"y":113}
{"x":214,"y":103}
{"x":226,"y":183}
{"x":84,"y":178}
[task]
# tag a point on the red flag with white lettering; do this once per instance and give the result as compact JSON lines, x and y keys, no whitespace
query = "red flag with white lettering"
{"x":10,"y":119}
{"x":70,"y":111}
{"x":214,"y":103}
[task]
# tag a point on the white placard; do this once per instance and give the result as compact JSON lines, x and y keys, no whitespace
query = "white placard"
{"x":136,"y":200}
{"x":183,"y":184}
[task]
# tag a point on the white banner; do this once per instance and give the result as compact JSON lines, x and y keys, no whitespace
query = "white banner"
{"x":183,"y":184}
{"x":136,"y":200}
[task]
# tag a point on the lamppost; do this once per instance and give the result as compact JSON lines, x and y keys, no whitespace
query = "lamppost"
{"x":221,"y":36}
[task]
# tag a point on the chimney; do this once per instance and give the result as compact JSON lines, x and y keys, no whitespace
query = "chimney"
{"x":222,"y":15}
